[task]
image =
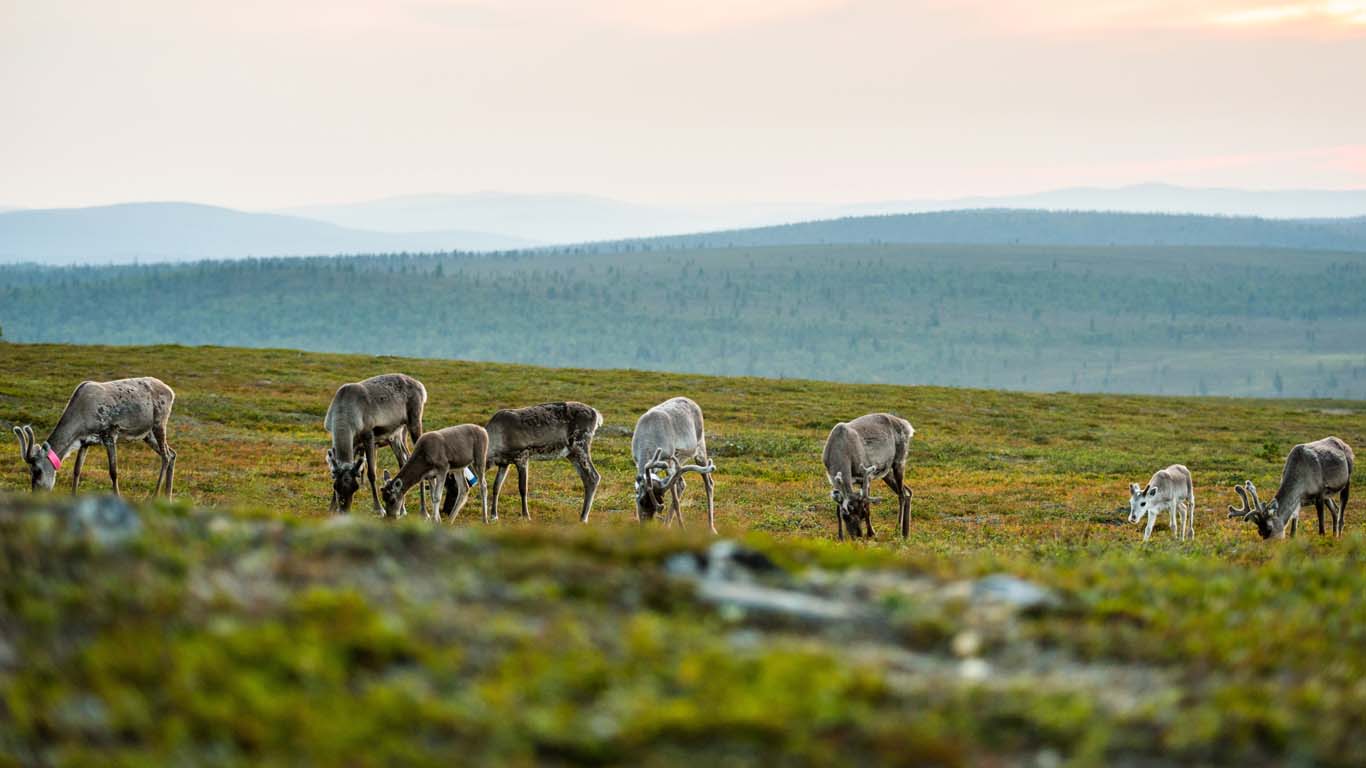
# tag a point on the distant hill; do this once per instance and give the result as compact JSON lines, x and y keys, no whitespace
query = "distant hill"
{"x":1032,"y":227}
{"x":584,"y":218}
{"x":185,"y":232}
{"x":1147,"y":198}
{"x":547,"y":218}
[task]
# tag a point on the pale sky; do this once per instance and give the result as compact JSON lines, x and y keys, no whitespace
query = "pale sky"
{"x":261,"y":104}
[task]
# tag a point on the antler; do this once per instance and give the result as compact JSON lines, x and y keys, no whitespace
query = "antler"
{"x":656,"y":462}
{"x":1252,"y":491}
{"x":1249,"y":506}
{"x":868,"y":478}
{"x":23,"y":441}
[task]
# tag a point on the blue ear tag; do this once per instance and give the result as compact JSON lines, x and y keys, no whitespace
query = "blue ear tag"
{"x":471,"y":478}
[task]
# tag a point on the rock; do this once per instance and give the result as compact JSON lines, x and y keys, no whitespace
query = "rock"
{"x":1017,"y":593}
{"x":737,"y":600}
{"x":107,"y":520}
{"x":967,"y":644}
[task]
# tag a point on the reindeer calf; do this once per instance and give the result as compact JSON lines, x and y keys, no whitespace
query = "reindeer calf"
{"x":1168,"y":489}
{"x":434,"y":456}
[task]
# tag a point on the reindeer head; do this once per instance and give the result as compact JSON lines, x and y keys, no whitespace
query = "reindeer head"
{"x":42,"y":461}
{"x":1141,"y":501}
{"x":853,"y":508}
{"x":345,"y":480}
{"x":1268,"y":523}
{"x":391,"y":495}
{"x":651,"y":489}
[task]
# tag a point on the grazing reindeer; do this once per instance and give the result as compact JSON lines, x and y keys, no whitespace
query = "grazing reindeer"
{"x":363,"y":416}
{"x":1167,"y":489}
{"x":434,"y":456}
{"x":1313,"y":472}
{"x":103,"y":413}
{"x":664,"y":435}
{"x":861,"y":451}
{"x":542,"y":432}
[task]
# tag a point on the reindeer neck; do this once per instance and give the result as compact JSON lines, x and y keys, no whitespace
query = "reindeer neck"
{"x":343,"y":446}
{"x":1288,"y":498}
{"x":413,"y":470}
{"x":66,"y":436}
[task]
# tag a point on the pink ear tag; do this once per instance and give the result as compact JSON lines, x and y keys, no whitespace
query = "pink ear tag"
{"x":52,"y":457}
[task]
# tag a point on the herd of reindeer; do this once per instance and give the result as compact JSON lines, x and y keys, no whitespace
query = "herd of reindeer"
{"x":668,"y":442}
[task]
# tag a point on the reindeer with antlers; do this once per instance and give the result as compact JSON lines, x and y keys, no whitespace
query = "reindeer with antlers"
{"x":859,"y":452}
{"x":102,"y":413}
{"x":1313,"y":472}
{"x":666,"y":435}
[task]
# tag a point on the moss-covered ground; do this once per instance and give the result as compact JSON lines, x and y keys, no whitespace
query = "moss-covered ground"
{"x":241,"y":626}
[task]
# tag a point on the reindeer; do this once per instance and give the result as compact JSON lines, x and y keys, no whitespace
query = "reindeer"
{"x":103,"y":413}
{"x":1167,"y":489}
{"x":664,"y":435}
{"x":434,"y":456}
{"x":363,"y":416}
{"x":1313,"y":472}
{"x":861,"y":451}
{"x":543,"y":432}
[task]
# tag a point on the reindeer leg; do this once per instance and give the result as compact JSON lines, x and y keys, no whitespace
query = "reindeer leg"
{"x":896,"y":481}
{"x":167,"y":455}
{"x":76,"y":469}
{"x":1148,"y":531}
{"x":156,"y":447}
{"x":709,"y":485}
{"x":497,"y":489}
{"x":523,"y":472}
{"x":1342,"y":509}
{"x":113,"y":463}
{"x":1190,"y":509}
{"x":1318,"y":507}
{"x":582,"y":460}
{"x":676,"y":511}
{"x":370,"y":475}
{"x":839,"y":522}
{"x":462,"y":492}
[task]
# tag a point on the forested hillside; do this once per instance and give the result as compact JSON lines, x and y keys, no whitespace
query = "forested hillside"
{"x":1041,"y":227}
{"x":1123,"y":319}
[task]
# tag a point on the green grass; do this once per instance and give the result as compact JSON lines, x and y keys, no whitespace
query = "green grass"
{"x":238,"y":629}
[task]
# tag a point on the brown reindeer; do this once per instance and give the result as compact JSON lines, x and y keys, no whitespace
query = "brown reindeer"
{"x":1313,"y":472}
{"x":435,"y":456}
{"x":544,"y":432}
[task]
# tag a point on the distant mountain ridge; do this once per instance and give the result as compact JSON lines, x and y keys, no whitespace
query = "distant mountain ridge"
{"x":586,"y":218}
{"x":1036,"y":227}
{"x":188,"y":232}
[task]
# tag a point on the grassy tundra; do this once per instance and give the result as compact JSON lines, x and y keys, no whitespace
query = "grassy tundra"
{"x":239,"y":627}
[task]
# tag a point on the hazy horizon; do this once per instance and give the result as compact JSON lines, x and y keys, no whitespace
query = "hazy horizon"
{"x":747,"y":101}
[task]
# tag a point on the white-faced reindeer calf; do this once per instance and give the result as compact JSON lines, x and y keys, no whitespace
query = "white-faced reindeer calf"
{"x":363,"y":416}
{"x":665,"y":436}
{"x":543,"y":432}
{"x":1167,"y":489}
{"x":102,"y":413}
{"x":435,"y":456}
{"x":861,"y":451}
{"x":1313,"y":472}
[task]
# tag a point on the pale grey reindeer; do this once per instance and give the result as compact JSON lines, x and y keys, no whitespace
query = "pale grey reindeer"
{"x":102,"y":413}
{"x":544,"y":432}
{"x":1170,"y":489}
{"x":1313,"y":472}
{"x":366,"y":415}
{"x":664,"y":437}
{"x":435,"y":457}
{"x":859,"y":452}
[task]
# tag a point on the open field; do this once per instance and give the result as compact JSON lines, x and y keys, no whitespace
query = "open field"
{"x":250,"y":632}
